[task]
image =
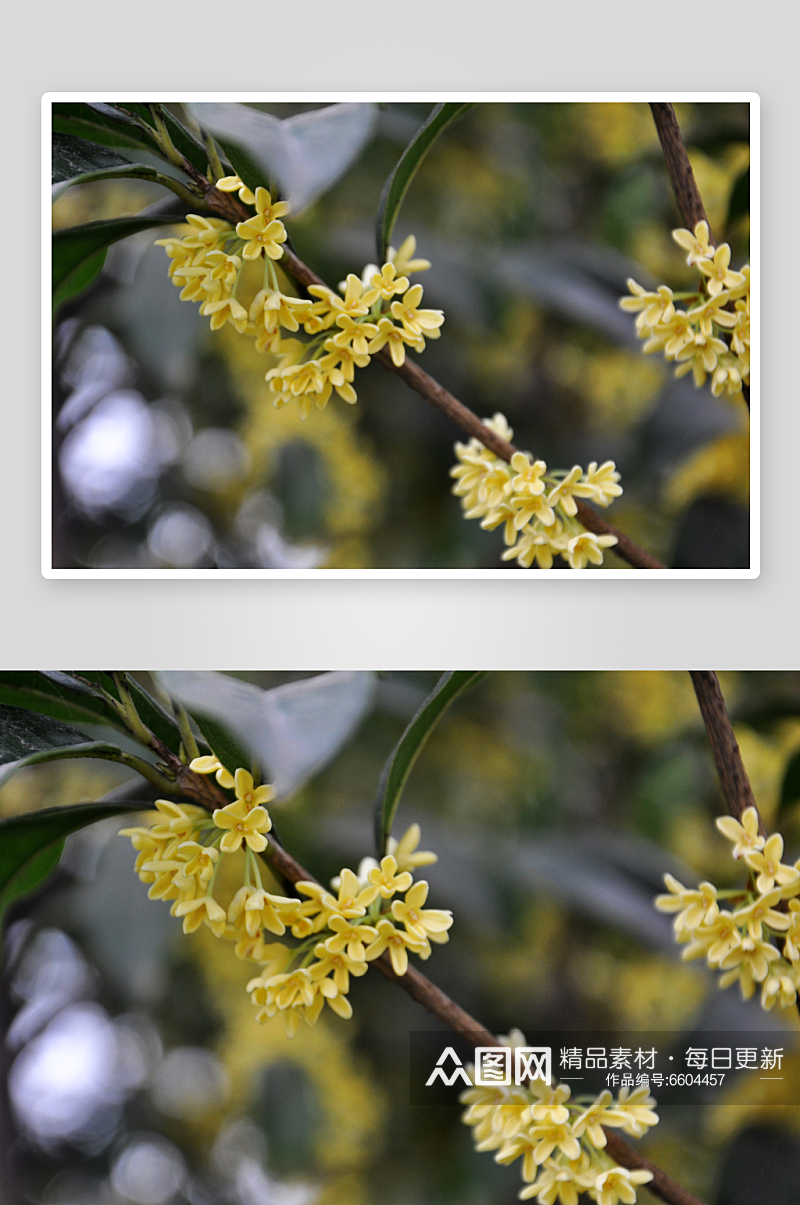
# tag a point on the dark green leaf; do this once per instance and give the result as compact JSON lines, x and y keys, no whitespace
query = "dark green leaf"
{"x":739,"y":203}
{"x":76,"y":245}
{"x":99,"y":749}
{"x":62,"y":696}
{"x":31,"y":874}
{"x":100,"y":123}
{"x":107,"y":124}
{"x":131,"y":171}
{"x":790,"y":789}
{"x":182,"y":139}
{"x":229,"y":751}
{"x":27,"y":841}
{"x":75,"y":157}
{"x":405,"y":753}
{"x":160,"y":722}
{"x":245,"y":166}
{"x":79,"y":278}
{"x":77,"y":699}
{"x":23,"y":733}
{"x":397,"y":185}
{"x":305,"y":154}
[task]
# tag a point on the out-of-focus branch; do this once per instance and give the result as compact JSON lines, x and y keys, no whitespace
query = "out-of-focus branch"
{"x":684,"y":185}
{"x":727,"y":755}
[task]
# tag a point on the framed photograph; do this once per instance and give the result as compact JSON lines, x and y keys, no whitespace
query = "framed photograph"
{"x":306,"y":335}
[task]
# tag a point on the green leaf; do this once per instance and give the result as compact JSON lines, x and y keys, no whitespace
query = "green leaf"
{"x":305,"y":154}
{"x":99,"y":123}
{"x":405,"y":753}
{"x":739,"y":203}
{"x":131,"y":171}
{"x":229,"y":751}
{"x":23,"y":733}
{"x":76,"y":157}
{"x":31,"y":874}
{"x":246,"y":167}
{"x":98,"y":749}
{"x":397,"y":185}
{"x":182,"y":139}
{"x":78,"y":700}
{"x":79,"y":278}
{"x":31,"y":844}
{"x":108,"y":125}
{"x":76,"y":245}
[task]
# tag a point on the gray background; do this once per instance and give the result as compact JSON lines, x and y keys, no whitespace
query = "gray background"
{"x":375,"y":45}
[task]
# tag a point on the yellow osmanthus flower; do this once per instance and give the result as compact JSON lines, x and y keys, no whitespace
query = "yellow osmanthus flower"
{"x":712,"y":336}
{"x":206,"y":264}
{"x":242,"y":824}
{"x":618,"y":1184}
{"x":560,"y":1141}
{"x":537,"y":509}
{"x":212,"y":765}
{"x":398,"y":942}
{"x":405,"y":851}
{"x":179,"y":856}
{"x":421,"y":923}
{"x":758,"y":942}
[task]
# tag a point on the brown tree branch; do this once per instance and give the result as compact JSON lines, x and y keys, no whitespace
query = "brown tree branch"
{"x":470,"y":424}
{"x":684,"y":185}
{"x":733,"y":777}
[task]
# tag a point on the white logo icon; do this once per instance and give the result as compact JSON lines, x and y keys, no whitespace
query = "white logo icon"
{"x":439,"y":1071}
{"x":493,"y":1065}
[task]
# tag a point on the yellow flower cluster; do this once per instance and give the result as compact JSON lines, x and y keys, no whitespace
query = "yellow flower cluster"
{"x":711,"y":336}
{"x":537,"y":509}
{"x":380,"y":908}
{"x":380,"y":309}
{"x":744,"y":943}
{"x":560,"y":1141}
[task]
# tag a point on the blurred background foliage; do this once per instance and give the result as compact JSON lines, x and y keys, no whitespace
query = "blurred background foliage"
{"x":555,"y":801}
{"x":169,"y":454}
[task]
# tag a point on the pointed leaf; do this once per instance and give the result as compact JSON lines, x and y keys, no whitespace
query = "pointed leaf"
{"x":23,"y":733}
{"x":99,"y":123}
{"x":130,"y":171}
{"x":406,"y":751}
{"x":31,"y":874}
{"x":75,"y":157}
{"x":397,"y":185}
{"x":77,"y":700}
{"x":79,"y":278}
{"x":109,"y":125}
{"x":27,"y":841}
{"x":293,"y":730}
{"x":75,"y":245}
{"x":305,"y":154}
{"x":99,"y":749}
